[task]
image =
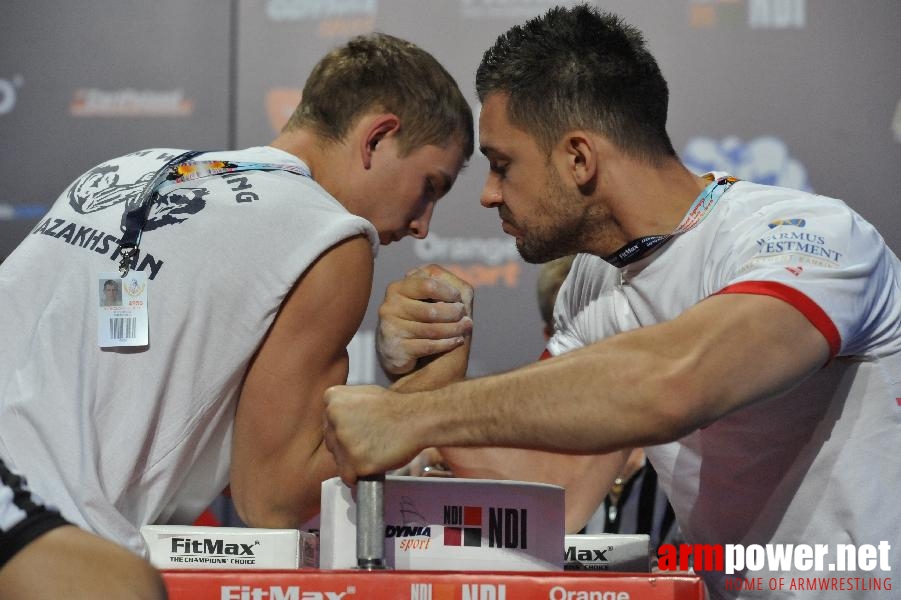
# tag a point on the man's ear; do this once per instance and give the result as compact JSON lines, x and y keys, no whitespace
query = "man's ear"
{"x":375,"y":129}
{"x":581,"y":155}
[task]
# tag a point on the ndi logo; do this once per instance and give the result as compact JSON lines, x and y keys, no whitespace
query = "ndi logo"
{"x":484,"y":591}
{"x":462,"y":525}
{"x":764,"y":160}
{"x":507,"y":527}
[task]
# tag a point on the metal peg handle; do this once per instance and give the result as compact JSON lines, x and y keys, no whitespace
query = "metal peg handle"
{"x":371,"y":522}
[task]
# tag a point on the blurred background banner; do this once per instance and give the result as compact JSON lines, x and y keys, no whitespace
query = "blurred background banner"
{"x":799,"y":93}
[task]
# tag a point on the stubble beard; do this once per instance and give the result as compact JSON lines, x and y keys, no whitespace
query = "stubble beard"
{"x":558,"y":228}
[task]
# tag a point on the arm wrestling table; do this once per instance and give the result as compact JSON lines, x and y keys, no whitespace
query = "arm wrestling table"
{"x":371,"y":581}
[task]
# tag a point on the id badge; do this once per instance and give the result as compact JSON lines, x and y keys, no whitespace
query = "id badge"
{"x":122,"y":310}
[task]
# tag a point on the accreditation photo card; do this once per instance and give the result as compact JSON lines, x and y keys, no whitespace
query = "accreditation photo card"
{"x":121,"y":309}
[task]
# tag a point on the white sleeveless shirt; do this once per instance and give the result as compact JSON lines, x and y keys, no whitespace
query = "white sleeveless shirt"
{"x":118,"y":438}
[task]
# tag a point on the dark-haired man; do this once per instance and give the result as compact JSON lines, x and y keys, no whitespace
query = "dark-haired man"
{"x":748,"y":336}
{"x":123,"y":416}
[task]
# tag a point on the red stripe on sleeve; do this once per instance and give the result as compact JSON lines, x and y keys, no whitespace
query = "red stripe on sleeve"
{"x":545,"y":354}
{"x":810,"y":309}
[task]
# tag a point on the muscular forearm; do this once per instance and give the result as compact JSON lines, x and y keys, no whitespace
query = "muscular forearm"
{"x":573,"y":403}
{"x":644,"y":387}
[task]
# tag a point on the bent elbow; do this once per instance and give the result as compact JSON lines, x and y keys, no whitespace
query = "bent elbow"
{"x":267,"y":513}
{"x":682,"y":405}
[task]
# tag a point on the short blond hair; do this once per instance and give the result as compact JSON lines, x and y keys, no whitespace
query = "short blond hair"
{"x":382,"y":72}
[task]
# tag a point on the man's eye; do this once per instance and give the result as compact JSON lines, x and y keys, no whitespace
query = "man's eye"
{"x":499,"y":169}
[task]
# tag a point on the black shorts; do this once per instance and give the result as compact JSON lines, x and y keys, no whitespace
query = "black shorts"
{"x":23,"y":517}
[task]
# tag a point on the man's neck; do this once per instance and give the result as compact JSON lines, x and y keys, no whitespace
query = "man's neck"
{"x":326,"y":161}
{"x":649,"y":200}
{"x":302,"y":144}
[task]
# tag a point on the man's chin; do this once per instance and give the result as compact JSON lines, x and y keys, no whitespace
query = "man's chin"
{"x":537,"y":256}
{"x":526,"y":254}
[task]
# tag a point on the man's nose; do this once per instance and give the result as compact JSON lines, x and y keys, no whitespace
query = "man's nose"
{"x":419,"y":227}
{"x":491,"y":193}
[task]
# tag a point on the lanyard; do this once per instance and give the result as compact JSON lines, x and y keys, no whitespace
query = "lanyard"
{"x":176,"y":171}
{"x":189,"y":170}
{"x":698,"y":211}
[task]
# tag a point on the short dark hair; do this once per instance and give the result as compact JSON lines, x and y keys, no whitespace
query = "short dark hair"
{"x":382,"y":72}
{"x":577,"y":68}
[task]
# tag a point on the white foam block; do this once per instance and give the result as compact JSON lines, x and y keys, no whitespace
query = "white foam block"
{"x":451,"y":524}
{"x":188,"y":547}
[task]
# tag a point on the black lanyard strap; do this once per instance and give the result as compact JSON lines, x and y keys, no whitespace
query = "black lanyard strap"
{"x":700,"y":208}
{"x":136,"y":219}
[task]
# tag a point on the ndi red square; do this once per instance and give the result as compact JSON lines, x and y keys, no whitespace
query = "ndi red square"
{"x":472,"y":515}
{"x":453,"y":536}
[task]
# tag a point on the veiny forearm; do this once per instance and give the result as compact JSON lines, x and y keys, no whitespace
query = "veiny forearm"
{"x":587,"y":401}
{"x":647,"y":386}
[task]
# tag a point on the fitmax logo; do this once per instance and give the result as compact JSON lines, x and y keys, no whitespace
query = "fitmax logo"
{"x":210,"y":546}
{"x":573,"y":554}
{"x":276,"y":592}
